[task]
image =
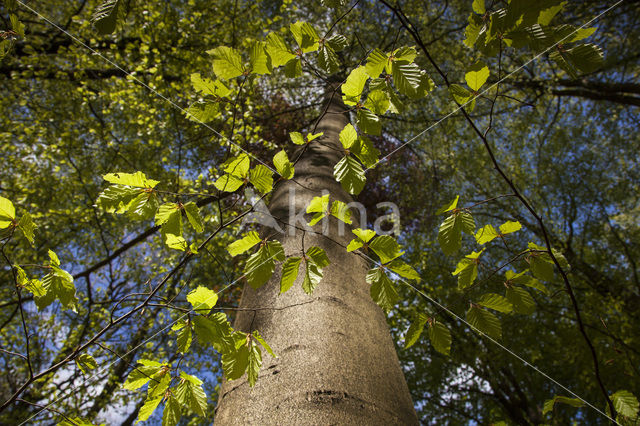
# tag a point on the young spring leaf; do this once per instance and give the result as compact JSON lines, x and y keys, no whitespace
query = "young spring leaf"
{"x":477,"y":75}
{"x":202,"y":299}
{"x":522,"y":279}
{"x":496,"y":302}
{"x":353,"y":86}
{"x":522,"y":301}
{"x":149,"y":406}
{"x":283,"y":165}
{"x":315,"y":260}
{"x":227,"y":63}
{"x":341,"y":211}
{"x":626,"y":404}
{"x":403,"y":269}
{"x":193,"y":216}
{"x":415,"y":330}
{"x":386,"y":247}
{"x":486,"y":234}
{"x":363,"y":236}
{"x":259,"y":59}
{"x":305,"y":35}
{"x":450,"y":232}
{"x":240,"y":246}
{"x":550,"y":403}
{"x":350,"y":174}
{"x":484,"y":321}
{"x":7,"y":213}
{"x":440,"y":337}
{"x":255,"y":361}
{"x":383,"y":291}
{"x":278,"y":50}
{"x":320,"y":207}
{"x":86,"y":362}
{"x":190,"y":394}
{"x":172,"y":412}
{"x":26,"y":225}
{"x":348,"y":136}
{"x":145,"y":371}
{"x":368,"y":122}
{"x":216,"y":330}
{"x":105,"y":17}
{"x":449,"y":206}
{"x":136,"y":180}
{"x":184,"y":339}
{"x":261,"y":178}
{"x":290,"y":269}
{"x":264,"y":344}
{"x":260,"y":266}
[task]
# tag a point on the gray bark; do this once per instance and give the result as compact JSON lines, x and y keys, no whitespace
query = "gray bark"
{"x":336,"y":362}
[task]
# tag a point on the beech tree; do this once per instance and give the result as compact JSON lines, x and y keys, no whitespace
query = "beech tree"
{"x":181,"y":243}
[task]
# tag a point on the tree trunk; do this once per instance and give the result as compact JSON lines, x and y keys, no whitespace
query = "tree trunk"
{"x":336,"y":361}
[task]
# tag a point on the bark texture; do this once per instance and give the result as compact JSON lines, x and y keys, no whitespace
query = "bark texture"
{"x":336,"y":361}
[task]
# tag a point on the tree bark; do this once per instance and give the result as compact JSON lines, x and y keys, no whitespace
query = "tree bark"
{"x":336,"y":362}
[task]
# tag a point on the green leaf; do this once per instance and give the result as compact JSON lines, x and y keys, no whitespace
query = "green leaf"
{"x":207,"y":86}
{"x":403,"y":269}
{"x":319,"y":206}
{"x":143,"y":207}
{"x":348,"y":136}
{"x":625,"y":404}
{"x":172,"y":412}
{"x":260,"y":266}
{"x":449,"y":206}
{"x":169,"y":215}
{"x":485,"y":322}
{"x":510,"y":227}
{"x":521,"y":278}
{"x":193,"y":216}
{"x":477,"y":76}
{"x":315,"y":260}
{"x":176,"y":242}
{"x":522,"y":301}
{"x":541,"y":266}
{"x":184,"y":339}
{"x":350,"y":174}
{"x":406,"y":77}
{"x":305,"y":36}
{"x":450,"y":235}
{"x":353,"y":86}
{"x":440,"y":337}
{"x":376,"y":62}
{"x":549,"y":404}
{"x":190,"y":394}
{"x":341,"y":211}
{"x":203,"y":111}
{"x":496,"y":302}
{"x":7,"y":213}
{"x":478,"y":7}
{"x":137,"y":179}
{"x":215,"y":330}
{"x":365,"y":151}
{"x":283,"y":165}
{"x":86,"y":362}
{"x":26,"y":225}
{"x":235,"y":363}
{"x":293,"y":68}
{"x":467,"y":271}
{"x":240,"y":246}
{"x":105,"y":17}
{"x":116,"y":198}
{"x":228,"y":183}
{"x":278,"y":50}
{"x":486,"y":234}
{"x":462,"y":96}
{"x":58,"y":284}
{"x":258,"y":58}
{"x":415,"y":330}
{"x":386,"y":247}
{"x":202,"y":299}
{"x":337,"y":42}
{"x":159,"y":385}
{"x":32,"y":285}
{"x":264,"y":344}
{"x":368,"y":122}
{"x":262,"y":178}
{"x":468,"y":225}
{"x":328,"y":59}
{"x":377,"y":101}
{"x":290,"y":270}
{"x":144,"y":372}
{"x":238,"y":166}
{"x":363,"y":236}
{"x":383,"y":291}
{"x":255,"y":361}
{"x":149,"y":406}
{"x":227,"y":62}
{"x":297,"y":138}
